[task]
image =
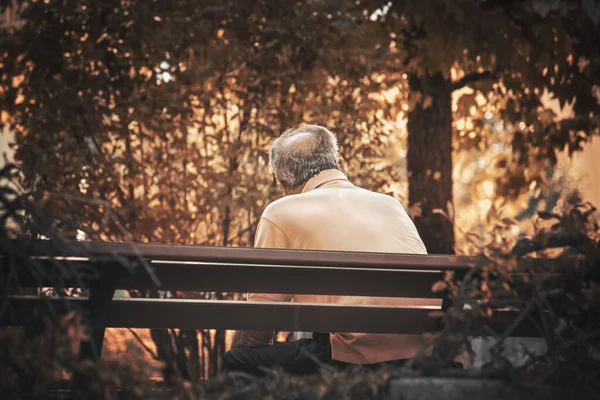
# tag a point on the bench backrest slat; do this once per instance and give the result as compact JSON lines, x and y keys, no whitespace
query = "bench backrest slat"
{"x":257,"y":256}
{"x":220,"y":269}
{"x":215,"y":314}
{"x":242,"y":278}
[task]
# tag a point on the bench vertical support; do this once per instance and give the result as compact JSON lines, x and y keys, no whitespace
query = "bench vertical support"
{"x":101,"y":295}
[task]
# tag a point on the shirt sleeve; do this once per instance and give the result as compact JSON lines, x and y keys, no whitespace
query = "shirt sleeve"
{"x":270,"y":236}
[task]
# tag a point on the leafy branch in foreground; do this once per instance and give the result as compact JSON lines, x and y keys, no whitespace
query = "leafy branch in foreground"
{"x":552,"y":281}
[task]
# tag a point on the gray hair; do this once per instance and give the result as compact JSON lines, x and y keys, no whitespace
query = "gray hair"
{"x":301,"y":153}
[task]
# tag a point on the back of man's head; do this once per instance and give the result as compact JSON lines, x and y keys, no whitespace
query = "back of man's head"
{"x":301,"y":153}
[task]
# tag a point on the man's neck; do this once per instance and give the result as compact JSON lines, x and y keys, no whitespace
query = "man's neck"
{"x":289,"y":192}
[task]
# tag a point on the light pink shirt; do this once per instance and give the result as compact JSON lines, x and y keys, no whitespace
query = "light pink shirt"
{"x":333,"y":214}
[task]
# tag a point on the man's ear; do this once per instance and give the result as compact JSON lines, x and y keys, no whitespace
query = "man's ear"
{"x":343,"y":165}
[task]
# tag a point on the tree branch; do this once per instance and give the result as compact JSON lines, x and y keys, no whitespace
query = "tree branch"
{"x":140,"y":341}
{"x":471,"y":78}
{"x":524,"y":313}
{"x":550,"y":241}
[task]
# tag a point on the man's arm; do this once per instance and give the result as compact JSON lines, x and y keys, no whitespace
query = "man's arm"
{"x":269,"y":236}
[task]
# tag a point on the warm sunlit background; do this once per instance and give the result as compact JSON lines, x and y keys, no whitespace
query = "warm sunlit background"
{"x":155,"y":128}
{"x":477,"y":207}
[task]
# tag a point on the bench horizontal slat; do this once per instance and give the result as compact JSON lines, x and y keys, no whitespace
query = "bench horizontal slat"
{"x":214,"y":314}
{"x":243,"y":278}
{"x":220,"y":269}
{"x":256,"y":256}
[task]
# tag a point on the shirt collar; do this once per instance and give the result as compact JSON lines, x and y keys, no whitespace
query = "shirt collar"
{"x":323,"y":177}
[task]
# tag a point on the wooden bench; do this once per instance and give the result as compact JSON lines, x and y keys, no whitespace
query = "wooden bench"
{"x":112,"y":266}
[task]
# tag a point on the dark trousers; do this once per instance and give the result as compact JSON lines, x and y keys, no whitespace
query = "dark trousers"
{"x":304,"y":356}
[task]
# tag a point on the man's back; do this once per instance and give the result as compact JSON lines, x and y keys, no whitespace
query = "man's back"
{"x":342,"y":217}
{"x":333,"y":214}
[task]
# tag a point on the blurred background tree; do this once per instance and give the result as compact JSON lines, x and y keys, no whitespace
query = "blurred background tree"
{"x":153,"y":119}
{"x":498,"y":57}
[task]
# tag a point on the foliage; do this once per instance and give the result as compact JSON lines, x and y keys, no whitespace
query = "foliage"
{"x":552,"y":281}
{"x":37,"y":360}
{"x":531,"y":47}
{"x":190,"y":89}
{"x":150,"y":120}
{"x":557,"y":290}
{"x":40,"y":355}
{"x":499,"y":58}
{"x":165,"y":111}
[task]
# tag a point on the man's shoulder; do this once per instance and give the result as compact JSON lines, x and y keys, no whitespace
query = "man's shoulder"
{"x":279,"y":208}
{"x":291,"y":208}
{"x":380,"y":197}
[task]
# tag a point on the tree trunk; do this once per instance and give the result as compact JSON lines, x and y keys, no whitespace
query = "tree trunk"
{"x":166,"y":353}
{"x":430,"y":160}
{"x":216,"y":354}
{"x":195,"y":363}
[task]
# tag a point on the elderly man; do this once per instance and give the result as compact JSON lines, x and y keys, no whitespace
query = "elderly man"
{"x":322,"y":210}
